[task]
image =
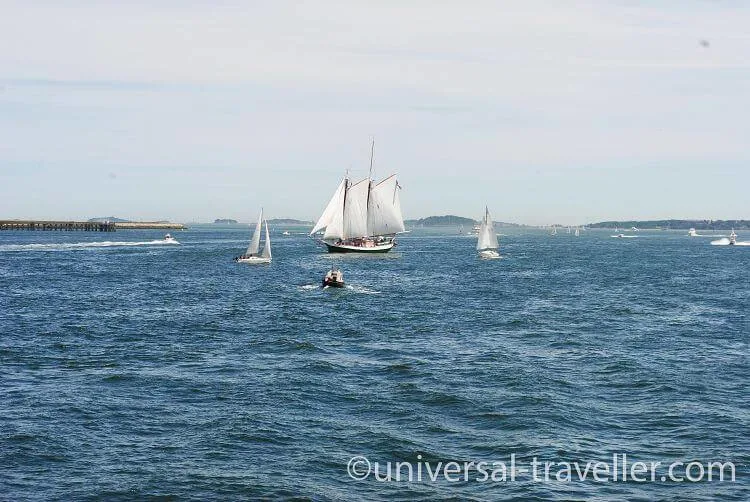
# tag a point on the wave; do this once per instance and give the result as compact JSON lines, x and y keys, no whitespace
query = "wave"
{"x":58,"y":246}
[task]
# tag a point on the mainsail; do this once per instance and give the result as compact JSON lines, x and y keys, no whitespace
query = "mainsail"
{"x":362,"y":209}
{"x":487,"y":236}
{"x":267,"y":246}
{"x":355,"y":209}
{"x":384,"y":208}
{"x":252,"y":249}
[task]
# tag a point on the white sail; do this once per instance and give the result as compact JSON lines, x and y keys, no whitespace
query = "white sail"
{"x":252,"y":249}
{"x":384,"y":208}
{"x":267,"y":246}
{"x":355,"y":209}
{"x":487,"y":236}
{"x":334,"y":208}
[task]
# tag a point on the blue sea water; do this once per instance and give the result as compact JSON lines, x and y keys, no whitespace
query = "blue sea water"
{"x":169,"y":372}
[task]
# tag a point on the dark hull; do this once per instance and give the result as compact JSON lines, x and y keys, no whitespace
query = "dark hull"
{"x":333,"y":248}
{"x":333,"y":284}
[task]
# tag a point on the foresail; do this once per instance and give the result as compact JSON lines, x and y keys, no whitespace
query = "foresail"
{"x":384,"y":209}
{"x":333,"y":209}
{"x":252,"y":249}
{"x":355,"y":210}
{"x":267,"y":246}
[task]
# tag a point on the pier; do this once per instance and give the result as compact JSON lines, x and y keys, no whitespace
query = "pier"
{"x":87,"y":226}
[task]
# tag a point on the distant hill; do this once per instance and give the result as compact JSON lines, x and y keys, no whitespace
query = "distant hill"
{"x":225,"y":221}
{"x":111,"y":219}
{"x":452,"y":221}
{"x":676,"y":224}
{"x":440,"y":221}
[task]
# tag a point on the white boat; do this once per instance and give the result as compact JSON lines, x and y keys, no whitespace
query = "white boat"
{"x":568,"y":229}
{"x":554,"y":231}
{"x":168,"y":239}
{"x":252,"y":256}
{"x":362,"y":217}
{"x":693,"y":233}
{"x":285,"y":232}
{"x":578,"y":232}
{"x":731,"y":241}
{"x":487,"y":239}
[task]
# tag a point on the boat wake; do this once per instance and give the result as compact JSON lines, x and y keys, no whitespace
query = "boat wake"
{"x":621,"y":236}
{"x":361,"y":289}
{"x":82,"y":245}
{"x":353,"y":288}
{"x":725,"y":242}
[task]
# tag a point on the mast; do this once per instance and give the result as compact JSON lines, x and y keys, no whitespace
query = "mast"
{"x":369,"y":183}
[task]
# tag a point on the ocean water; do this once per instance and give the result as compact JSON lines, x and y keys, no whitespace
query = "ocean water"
{"x":148,"y":371}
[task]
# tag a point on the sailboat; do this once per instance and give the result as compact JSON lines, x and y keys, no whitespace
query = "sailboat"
{"x":362,"y":217}
{"x":251,"y":256}
{"x":578,"y":232}
{"x":554,"y":230}
{"x":487,"y":240}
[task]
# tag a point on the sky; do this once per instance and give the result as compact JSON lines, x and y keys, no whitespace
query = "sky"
{"x":546,"y":111}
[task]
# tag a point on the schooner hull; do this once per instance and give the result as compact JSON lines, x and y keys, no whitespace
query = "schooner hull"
{"x":349,"y":248}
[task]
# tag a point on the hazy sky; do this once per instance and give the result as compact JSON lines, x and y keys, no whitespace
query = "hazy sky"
{"x":554,"y":111}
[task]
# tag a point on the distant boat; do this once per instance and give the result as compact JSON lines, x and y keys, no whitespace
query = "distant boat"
{"x":568,"y":229}
{"x":285,"y":232}
{"x":251,"y":256}
{"x":362,"y":217}
{"x":578,"y":232}
{"x":693,"y":233}
{"x":731,"y":241}
{"x":168,"y":239}
{"x":487,"y":239}
{"x":635,"y":229}
{"x":554,"y":231}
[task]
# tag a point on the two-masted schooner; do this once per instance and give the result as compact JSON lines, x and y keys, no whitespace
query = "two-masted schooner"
{"x":362,"y":216}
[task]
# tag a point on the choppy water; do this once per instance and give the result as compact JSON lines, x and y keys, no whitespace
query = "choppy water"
{"x":130,"y":372}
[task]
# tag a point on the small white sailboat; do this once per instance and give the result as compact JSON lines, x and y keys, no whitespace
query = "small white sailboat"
{"x":252,"y":256}
{"x":568,"y":229}
{"x":692,"y":233}
{"x":578,"y":232}
{"x":554,"y":230}
{"x":487,"y":240}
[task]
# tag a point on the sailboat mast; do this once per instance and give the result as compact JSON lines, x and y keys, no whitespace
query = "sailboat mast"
{"x":372,"y":154}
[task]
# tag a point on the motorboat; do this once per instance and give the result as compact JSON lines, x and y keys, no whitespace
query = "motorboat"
{"x":168,"y":239}
{"x":334,"y":278}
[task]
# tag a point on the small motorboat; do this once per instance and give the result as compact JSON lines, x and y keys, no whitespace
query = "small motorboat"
{"x":168,"y":239}
{"x":692,"y":233}
{"x":334,"y":279}
{"x":285,"y":232}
